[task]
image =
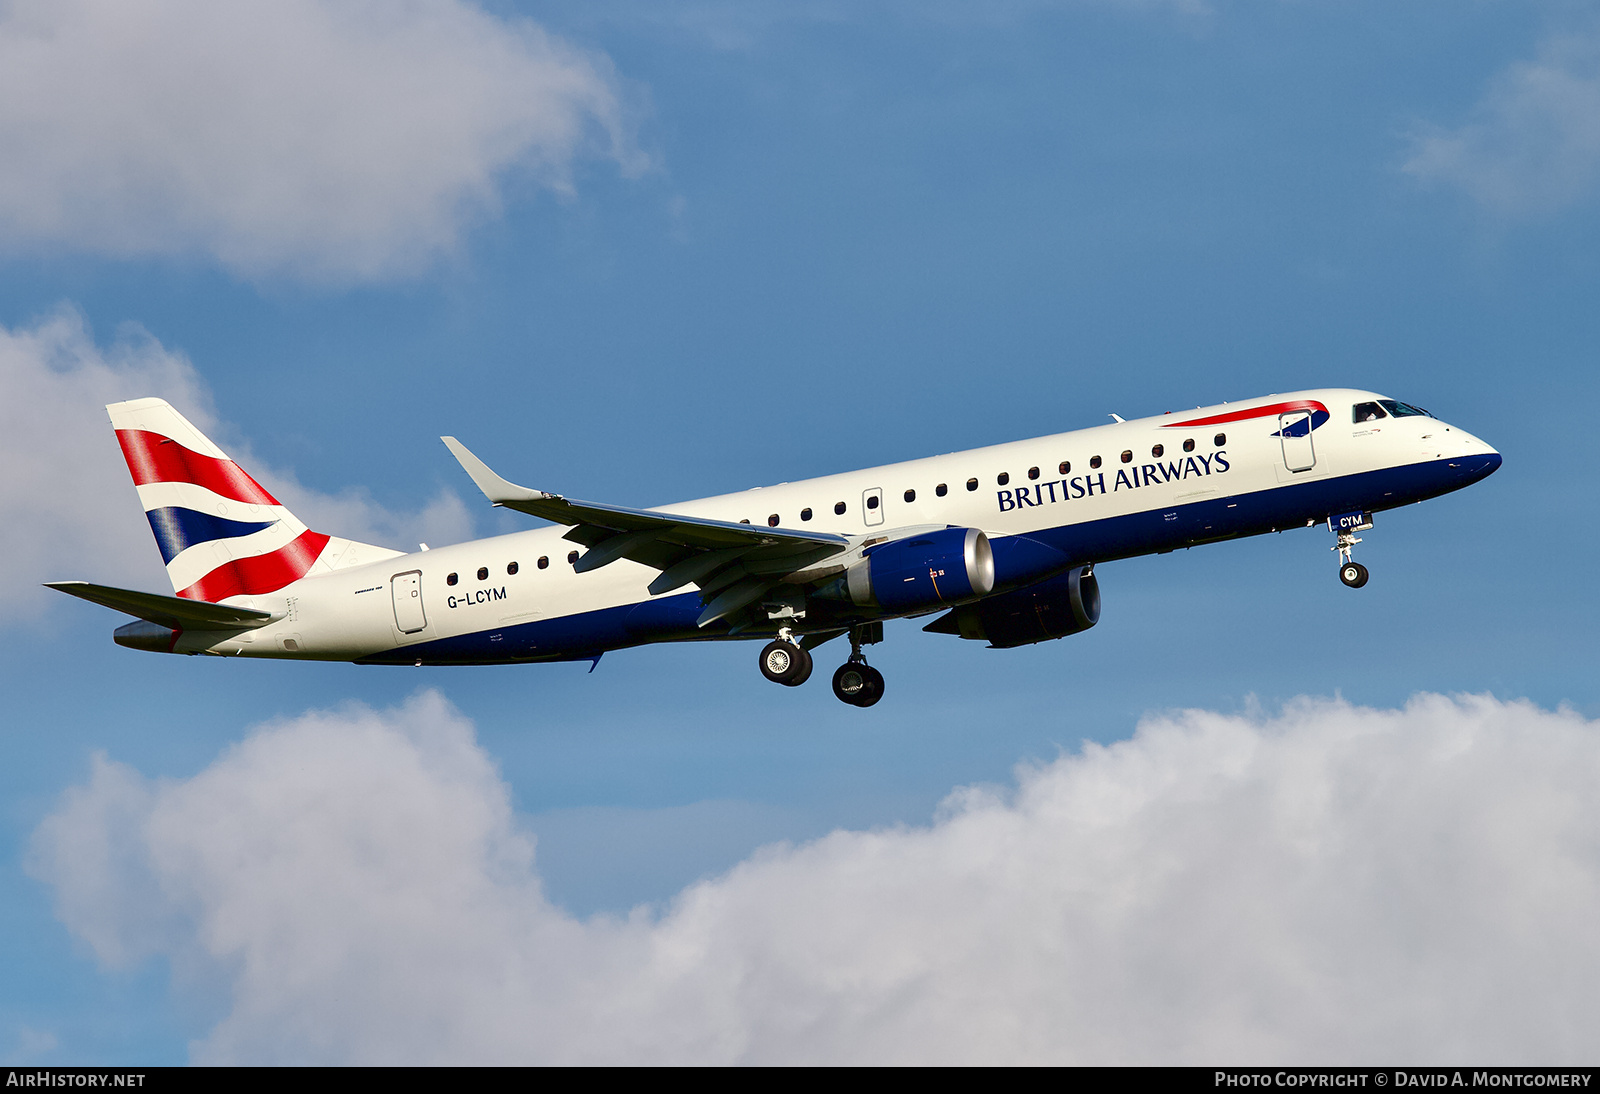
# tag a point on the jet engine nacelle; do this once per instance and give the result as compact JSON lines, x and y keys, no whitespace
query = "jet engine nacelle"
{"x":1063,"y":605}
{"x":924,"y":570}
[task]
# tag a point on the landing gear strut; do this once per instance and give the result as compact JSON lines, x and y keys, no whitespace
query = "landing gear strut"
{"x":857,"y":682}
{"x":786,"y":661}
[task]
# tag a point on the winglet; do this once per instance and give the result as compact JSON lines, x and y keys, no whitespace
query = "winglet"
{"x":496,"y":489}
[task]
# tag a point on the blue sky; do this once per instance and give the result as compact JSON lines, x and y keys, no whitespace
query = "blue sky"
{"x":639,"y":253}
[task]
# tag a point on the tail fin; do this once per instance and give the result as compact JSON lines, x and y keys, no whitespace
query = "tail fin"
{"x":220,"y":533}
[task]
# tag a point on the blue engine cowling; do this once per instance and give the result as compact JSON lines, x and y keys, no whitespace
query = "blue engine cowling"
{"x":1063,"y":605}
{"x":924,"y":571}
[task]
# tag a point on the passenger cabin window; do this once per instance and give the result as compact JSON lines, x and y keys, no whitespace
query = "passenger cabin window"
{"x":1066,"y":466}
{"x":805,"y":514}
{"x":972,"y":484}
{"x":744,"y":520}
{"x":1366,"y":412}
{"x":911,"y":495}
{"x":941,"y":489}
{"x":451,"y":580}
{"x":544,"y":562}
{"x":1003,"y":478}
{"x":1220,"y":439}
{"x":483,"y":573}
{"x":1094,"y":461}
{"x":572,"y":556}
{"x":1403,"y":410}
{"x":1157,"y":450}
{"x":1188,"y":445}
{"x":511,"y":568}
{"x":1127,"y":455}
{"x":772,"y":521}
{"x":838,"y":508}
{"x":1033,"y":472}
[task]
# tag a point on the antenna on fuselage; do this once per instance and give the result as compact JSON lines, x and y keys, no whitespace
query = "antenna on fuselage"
{"x":1118,"y":418}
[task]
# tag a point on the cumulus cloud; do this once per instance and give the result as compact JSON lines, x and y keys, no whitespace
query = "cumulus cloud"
{"x":1532,"y":145}
{"x":342,"y":140}
{"x":67,"y":506}
{"x":1330,"y":884}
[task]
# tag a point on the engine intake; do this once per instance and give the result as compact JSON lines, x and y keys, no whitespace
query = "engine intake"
{"x":1063,"y":605}
{"x":923,"y":571}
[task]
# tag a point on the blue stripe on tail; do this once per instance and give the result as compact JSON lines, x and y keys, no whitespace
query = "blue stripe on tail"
{"x":177,"y":528}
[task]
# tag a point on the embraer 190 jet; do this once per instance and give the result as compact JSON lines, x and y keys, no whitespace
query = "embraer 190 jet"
{"x":1003,"y":541}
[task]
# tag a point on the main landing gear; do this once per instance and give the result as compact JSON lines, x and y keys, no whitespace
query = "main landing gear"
{"x":857,"y":682}
{"x":786,"y":662}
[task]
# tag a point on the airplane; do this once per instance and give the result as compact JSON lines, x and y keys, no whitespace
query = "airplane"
{"x":1002,"y":541}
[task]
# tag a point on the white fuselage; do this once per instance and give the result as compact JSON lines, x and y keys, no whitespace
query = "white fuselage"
{"x":1211,"y":481}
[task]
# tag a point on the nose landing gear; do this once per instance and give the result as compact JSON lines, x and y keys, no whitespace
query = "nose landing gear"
{"x":1346,"y":526}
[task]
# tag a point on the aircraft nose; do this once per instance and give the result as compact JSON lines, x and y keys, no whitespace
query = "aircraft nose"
{"x":1474,"y":460}
{"x":1467,"y":459}
{"x":1480,"y":466}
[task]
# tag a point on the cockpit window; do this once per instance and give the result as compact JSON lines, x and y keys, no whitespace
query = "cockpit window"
{"x":1367,"y":412}
{"x":1404,"y":410}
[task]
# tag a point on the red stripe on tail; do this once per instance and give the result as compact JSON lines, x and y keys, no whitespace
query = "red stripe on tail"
{"x":262,"y":574}
{"x":154,"y":458}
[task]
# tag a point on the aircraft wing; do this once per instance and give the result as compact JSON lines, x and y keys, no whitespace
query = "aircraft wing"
{"x":733,"y":564}
{"x":166,"y":611}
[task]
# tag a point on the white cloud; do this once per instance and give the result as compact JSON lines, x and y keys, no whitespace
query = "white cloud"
{"x":1329,"y":885}
{"x":67,"y":506}
{"x":1532,"y":146}
{"x":342,"y":140}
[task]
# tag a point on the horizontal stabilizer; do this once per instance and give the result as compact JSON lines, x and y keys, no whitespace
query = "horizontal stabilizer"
{"x":167,"y":611}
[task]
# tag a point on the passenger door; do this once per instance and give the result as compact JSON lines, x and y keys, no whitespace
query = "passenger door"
{"x":1294,"y":430}
{"x":407,"y":591}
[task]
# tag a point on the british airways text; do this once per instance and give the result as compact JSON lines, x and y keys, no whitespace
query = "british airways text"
{"x":1127,"y":478}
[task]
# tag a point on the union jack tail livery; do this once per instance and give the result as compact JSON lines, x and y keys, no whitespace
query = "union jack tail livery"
{"x":220,"y":532}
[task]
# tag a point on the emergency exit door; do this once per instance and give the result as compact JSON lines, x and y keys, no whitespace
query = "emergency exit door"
{"x":872,"y":505}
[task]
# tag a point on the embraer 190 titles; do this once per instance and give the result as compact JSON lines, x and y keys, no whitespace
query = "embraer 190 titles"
{"x":1003,"y":541}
